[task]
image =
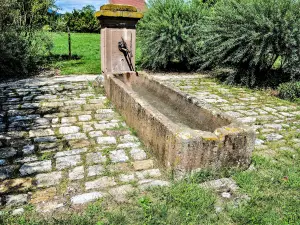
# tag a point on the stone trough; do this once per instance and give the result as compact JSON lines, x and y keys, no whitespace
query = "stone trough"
{"x":184,"y":133}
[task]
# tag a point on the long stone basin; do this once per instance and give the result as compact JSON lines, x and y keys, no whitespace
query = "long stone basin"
{"x":184,"y":133}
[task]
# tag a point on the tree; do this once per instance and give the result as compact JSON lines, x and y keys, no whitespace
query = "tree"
{"x":22,"y":48}
{"x":83,"y":20}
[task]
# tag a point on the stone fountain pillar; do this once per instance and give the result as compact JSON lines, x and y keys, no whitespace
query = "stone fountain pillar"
{"x":118,"y":37}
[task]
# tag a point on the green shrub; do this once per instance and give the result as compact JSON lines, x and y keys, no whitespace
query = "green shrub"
{"x":290,"y":90}
{"x":260,"y":38}
{"x":168,"y":33}
{"x":23,"y":46}
{"x":19,"y":55}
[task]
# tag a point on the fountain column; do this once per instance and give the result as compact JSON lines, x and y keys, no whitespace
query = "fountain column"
{"x":118,"y":37}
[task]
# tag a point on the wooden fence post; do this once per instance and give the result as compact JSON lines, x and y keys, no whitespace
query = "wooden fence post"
{"x":69,"y":40}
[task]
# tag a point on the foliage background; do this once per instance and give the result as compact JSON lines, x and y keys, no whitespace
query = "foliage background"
{"x":168,"y":34}
{"x":80,"y":21}
{"x":22,"y":47}
{"x":258,"y":38}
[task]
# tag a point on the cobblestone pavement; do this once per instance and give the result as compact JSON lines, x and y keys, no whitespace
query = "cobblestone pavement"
{"x":277,"y":122}
{"x":62,"y":145}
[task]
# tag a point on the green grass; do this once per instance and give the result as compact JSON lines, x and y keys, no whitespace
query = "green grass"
{"x":182,"y":203}
{"x":85,"y":46}
{"x":274,"y":190}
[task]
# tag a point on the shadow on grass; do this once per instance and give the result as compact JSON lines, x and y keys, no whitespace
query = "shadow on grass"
{"x":64,"y":57}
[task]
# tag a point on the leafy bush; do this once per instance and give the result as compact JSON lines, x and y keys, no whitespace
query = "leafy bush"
{"x":167,"y":33}
{"x":22,"y":46}
{"x":290,"y":90}
{"x":253,"y":36}
{"x":21,"y":56}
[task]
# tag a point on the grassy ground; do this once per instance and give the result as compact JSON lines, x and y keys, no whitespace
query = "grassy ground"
{"x":85,"y":51}
{"x":183,"y":203}
{"x":84,"y":46}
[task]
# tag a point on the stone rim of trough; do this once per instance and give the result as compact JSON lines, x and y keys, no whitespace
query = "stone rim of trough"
{"x":235,"y":127}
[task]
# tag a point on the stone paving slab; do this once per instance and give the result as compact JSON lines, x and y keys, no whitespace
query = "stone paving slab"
{"x":62,"y":144}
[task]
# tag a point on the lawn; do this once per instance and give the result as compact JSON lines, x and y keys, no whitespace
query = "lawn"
{"x":85,"y":52}
{"x":85,"y":48}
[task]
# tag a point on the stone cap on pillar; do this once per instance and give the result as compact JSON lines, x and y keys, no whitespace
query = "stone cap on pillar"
{"x":115,"y":10}
{"x":111,"y":15}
